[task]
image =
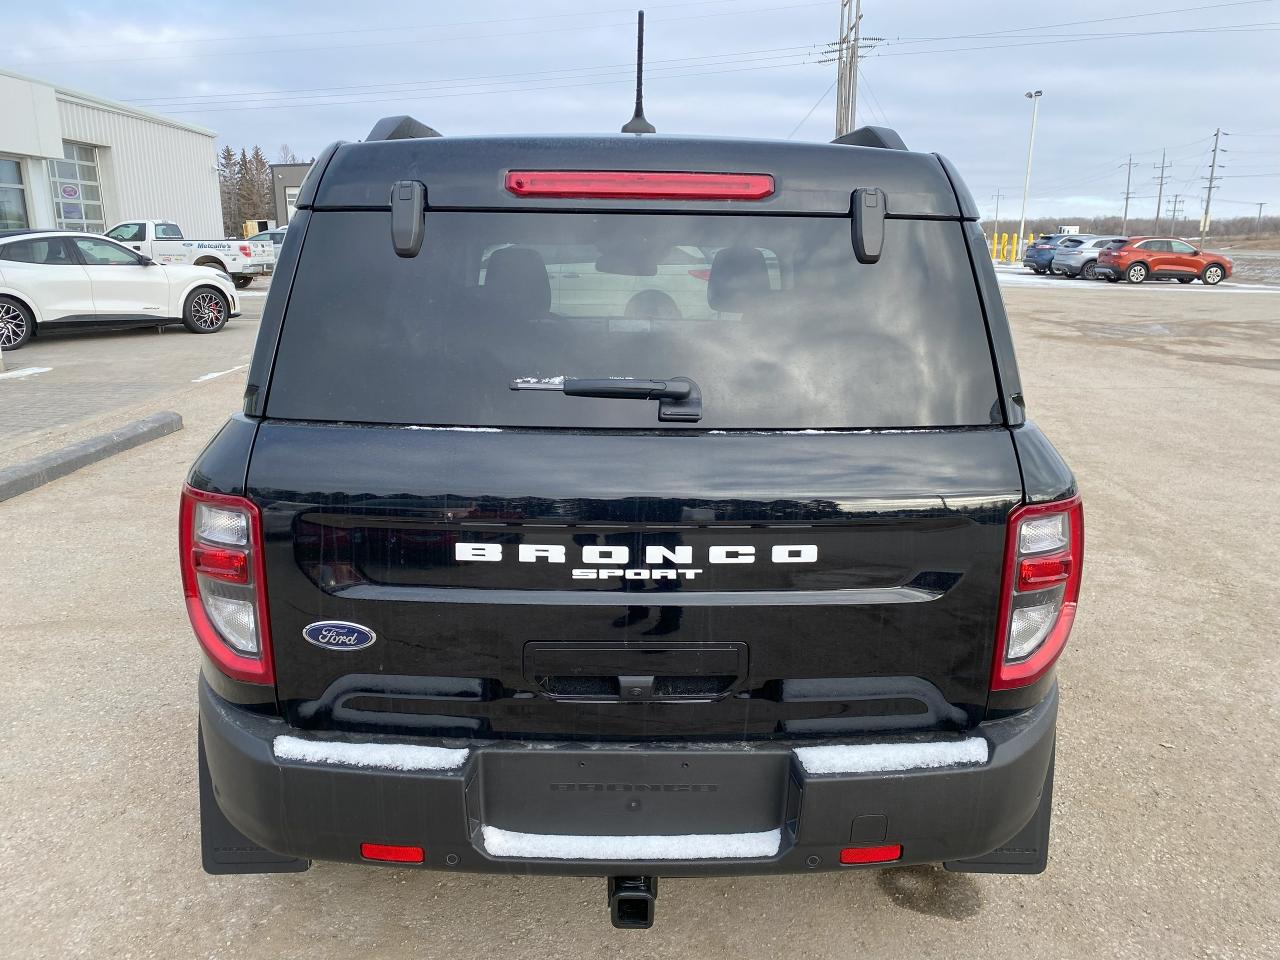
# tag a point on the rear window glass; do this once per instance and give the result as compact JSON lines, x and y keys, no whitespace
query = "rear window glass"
{"x":772,"y":317}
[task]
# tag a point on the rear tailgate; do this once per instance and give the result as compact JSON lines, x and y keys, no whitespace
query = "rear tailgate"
{"x":882,"y":594}
{"x":820,"y":553}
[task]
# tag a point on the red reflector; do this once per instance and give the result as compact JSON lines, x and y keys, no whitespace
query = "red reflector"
{"x":885,"y":854}
{"x":1035,"y":573}
{"x":221,"y":563}
{"x":390,"y":853}
{"x":640,"y":184}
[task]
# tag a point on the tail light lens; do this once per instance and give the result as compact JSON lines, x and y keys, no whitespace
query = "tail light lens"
{"x":702,"y":274}
{"x":1043,"y":556}
{"x":246,"y":250}
{"x":220,"y":539}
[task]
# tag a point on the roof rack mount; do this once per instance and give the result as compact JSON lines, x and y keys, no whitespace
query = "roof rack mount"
{"x":882,"y":137}
{"x":400,"y":128}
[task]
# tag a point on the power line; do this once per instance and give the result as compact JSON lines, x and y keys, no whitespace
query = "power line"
{"x":1208,"y":193}
{"x":481,"y":93}
{"x":817,"y":103}
{"x":1160,"y":178}
{"x":151,"y":44}
{"x":451,"y":39}
{"x":214,"y":99}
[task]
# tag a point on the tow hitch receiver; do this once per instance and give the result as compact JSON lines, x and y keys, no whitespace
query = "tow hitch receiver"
{"x":631,"y":902}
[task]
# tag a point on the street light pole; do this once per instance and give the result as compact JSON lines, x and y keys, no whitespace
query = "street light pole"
{"x":1034,"y":97}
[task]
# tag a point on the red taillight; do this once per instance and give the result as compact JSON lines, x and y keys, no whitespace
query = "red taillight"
{"x":700,"y":274}
{"x":391,"y":853}
{"x":1044,"y":552}
{"x":1035,"y":573}
{"x":221,"y":562}
{"x":640,"y":185}
{"x":246,"y":250}
{"x":220,"y":545}
{"x":884,"y":854}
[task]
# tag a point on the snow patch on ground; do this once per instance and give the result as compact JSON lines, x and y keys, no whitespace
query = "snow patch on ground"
{"x":694,"y":846}
{"x":879,"y":757}
{"x":390,"y":756}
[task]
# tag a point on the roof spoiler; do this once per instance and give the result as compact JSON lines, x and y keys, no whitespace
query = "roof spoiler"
{"x":882,"y":137}
{"x":400,"y":128}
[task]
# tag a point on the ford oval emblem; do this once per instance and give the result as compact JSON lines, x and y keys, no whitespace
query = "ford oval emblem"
{"x":339,"y":635}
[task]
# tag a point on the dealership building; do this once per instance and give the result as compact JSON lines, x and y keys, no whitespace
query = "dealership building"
{"x":72,"y":160}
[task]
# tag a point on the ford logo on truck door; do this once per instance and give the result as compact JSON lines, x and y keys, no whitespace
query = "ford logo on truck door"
{"x":339,"y":635}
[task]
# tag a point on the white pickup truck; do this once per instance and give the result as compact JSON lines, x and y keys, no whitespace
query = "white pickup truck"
{"x":162,"y":241}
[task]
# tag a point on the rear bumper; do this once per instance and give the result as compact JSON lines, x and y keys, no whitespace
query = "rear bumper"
{"x":1108,"y":270}
{"x":612,"y":795}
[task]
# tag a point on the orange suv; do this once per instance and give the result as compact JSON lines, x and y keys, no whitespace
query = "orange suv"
{"x":1160,"y":258}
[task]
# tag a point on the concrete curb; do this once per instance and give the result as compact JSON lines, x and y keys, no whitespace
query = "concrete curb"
{"x":35,"y":473}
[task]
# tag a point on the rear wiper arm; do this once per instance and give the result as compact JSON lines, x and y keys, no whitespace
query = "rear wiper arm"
{"x":679,"y":398}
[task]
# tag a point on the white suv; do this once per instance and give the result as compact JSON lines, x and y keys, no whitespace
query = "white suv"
{"x":63,"y":279}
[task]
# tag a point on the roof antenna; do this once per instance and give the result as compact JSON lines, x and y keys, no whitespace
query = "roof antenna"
{"x":638,"y":124}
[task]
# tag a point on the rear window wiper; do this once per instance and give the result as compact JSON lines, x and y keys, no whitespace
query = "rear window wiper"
{"x":679,"y":398}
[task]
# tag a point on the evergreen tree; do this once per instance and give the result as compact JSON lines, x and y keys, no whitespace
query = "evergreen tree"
{"x":246,"y":191}
{"x":228,"y":184}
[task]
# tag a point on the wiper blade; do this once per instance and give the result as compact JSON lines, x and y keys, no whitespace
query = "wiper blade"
{"x":679,"y":398}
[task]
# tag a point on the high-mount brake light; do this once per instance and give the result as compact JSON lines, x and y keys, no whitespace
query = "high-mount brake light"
{"x":1044,"y":552}
{"x":639,"y":185}
{"x":220,"y":543}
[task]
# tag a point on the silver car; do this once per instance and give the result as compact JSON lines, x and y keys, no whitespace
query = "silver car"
{"x":1079,"y":259}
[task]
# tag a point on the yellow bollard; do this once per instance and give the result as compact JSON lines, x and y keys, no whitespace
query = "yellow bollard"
{"x":1004,"y":246}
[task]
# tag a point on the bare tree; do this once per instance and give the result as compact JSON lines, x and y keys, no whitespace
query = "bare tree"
{"x":287,"y":155}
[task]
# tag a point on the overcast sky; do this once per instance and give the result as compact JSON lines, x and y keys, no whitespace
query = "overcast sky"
{"x":950,"y":77}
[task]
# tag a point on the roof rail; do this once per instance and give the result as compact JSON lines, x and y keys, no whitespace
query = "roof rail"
{"x":882,"y":137}
{"x":400,"y":128}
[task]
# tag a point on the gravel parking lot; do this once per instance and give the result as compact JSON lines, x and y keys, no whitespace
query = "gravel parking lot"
{"x":1167,"y":798}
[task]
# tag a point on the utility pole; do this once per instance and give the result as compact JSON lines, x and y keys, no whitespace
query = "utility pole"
{"x":1160,"y":179}
{"x":1208,"y":193}
{"x":1175,"y":208}
{"x":1260,"y":206}
{"x":998,"y":196}
{"x":1034,"y":96}
{"x":847,"y":56}
{"x":1128,"y":179}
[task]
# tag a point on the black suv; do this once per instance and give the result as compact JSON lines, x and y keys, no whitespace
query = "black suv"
{"x":625,"y":506}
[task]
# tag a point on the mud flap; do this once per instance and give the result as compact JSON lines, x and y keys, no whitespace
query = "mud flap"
{"x":1026,"y":852}
{"x":225,"y":849}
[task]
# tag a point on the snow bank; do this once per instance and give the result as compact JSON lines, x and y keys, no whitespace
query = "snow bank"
{"x":389,"y":756}
{"x":878,"y":757}
{"x":694,"y":846}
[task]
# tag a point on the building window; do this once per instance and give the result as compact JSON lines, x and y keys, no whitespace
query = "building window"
{"x":13,"y":196}
{"x":77,"y":196}
{"x":290,"y":202}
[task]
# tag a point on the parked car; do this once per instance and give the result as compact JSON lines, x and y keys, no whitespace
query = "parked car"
{"x":1161,"y":258}
{"x":274,"y":236}
{"x":1081,"y":259}
{"x":1038,"y":257}
{"x":54,"y":280}
{"x":508,"y":585}
{"x":163,"y":242}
